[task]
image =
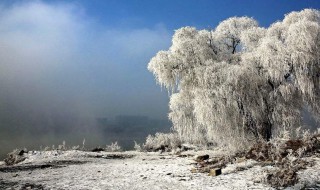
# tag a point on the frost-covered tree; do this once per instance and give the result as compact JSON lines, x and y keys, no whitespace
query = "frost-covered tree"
{"x":240,"y":82}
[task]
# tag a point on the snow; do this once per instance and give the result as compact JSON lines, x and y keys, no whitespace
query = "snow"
{"x":142,"y":171}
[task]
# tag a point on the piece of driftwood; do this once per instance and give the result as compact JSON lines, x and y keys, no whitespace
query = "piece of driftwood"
{"x":215,"y":172}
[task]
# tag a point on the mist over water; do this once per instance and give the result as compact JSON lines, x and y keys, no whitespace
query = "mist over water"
{"x":75,"y":131}
{"x":61,"y":70}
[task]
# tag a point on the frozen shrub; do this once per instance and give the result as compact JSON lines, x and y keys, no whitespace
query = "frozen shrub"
{"x":114,"y":147}
{"x":62,"y":146}
{"x":286,"y":156}
{"x":282,"y":178}
{"x":46,"y":148}
{"x":162,"y":141}
{"x":137,"y":146}
{"x":76,"y":147}
{"x":83,"y":143}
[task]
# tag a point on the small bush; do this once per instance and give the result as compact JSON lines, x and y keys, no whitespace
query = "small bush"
{"x":137,"y":147}
{"x":163,"y":142}
{"x":286,"y":155}
{"x":62,"y":146}
{"x":282,"y":178}
{"x":114,"y":147}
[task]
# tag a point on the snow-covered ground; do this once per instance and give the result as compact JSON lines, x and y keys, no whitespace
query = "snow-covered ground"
{"x":133,"y":170}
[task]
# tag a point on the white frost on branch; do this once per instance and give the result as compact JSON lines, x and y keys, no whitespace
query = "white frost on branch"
{"x":241,"y":82}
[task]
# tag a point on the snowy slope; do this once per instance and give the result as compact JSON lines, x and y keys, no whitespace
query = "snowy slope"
{"x":87,"y":170}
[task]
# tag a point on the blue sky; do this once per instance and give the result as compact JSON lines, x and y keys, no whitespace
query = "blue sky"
{"x":200,"y":13}
{"x":89,"y":57}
